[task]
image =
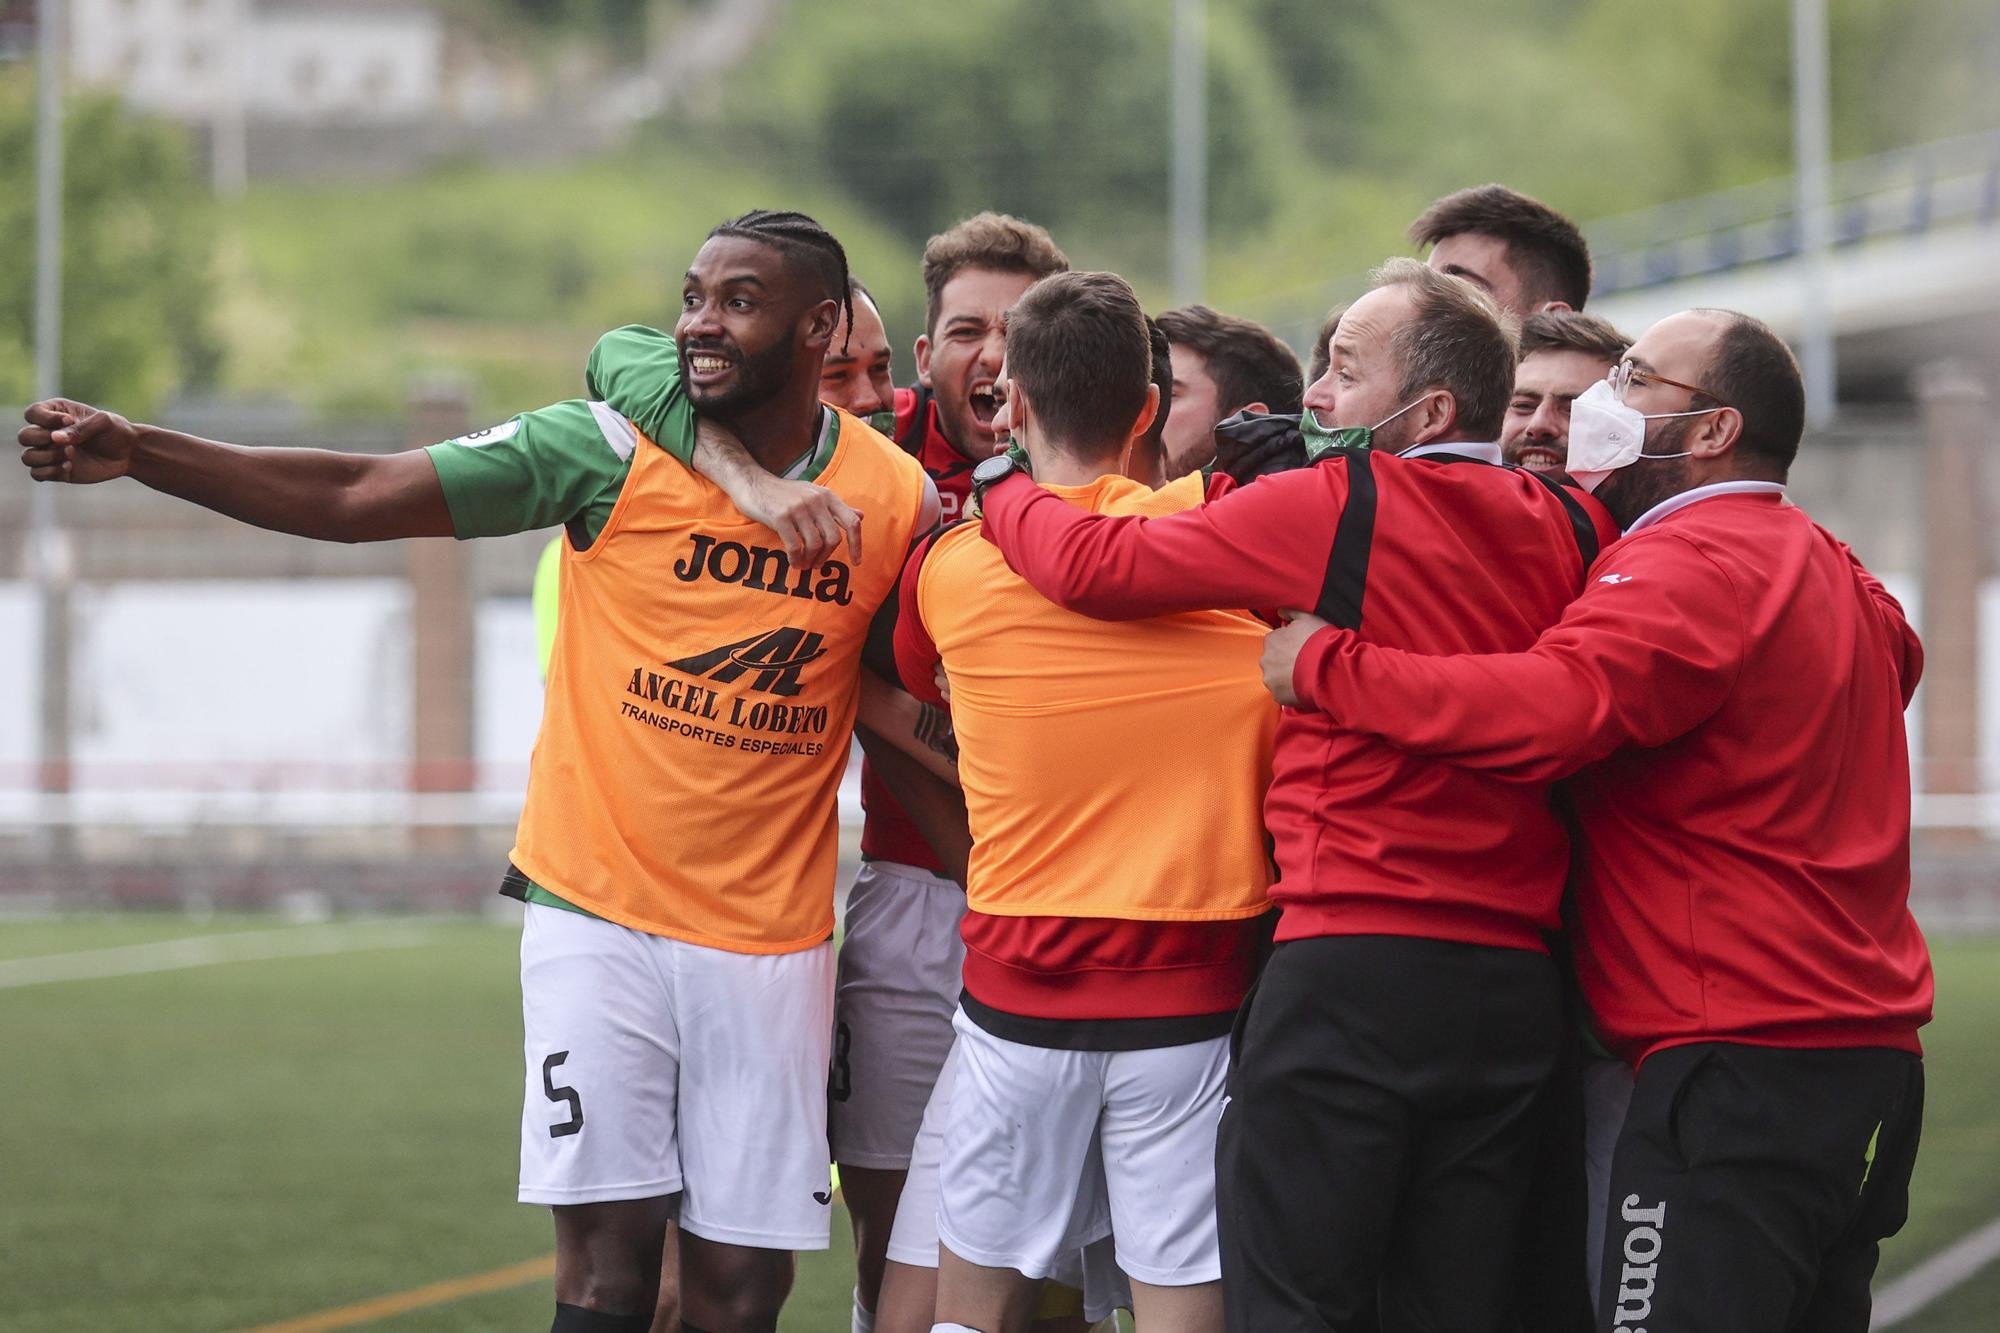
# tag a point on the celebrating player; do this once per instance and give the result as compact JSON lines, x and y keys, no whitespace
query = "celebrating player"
{"x":678,"y":845}
{"x":1102,"y":969}
{"x":900,"y":955}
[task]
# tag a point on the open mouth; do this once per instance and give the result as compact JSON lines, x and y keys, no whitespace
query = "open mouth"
{"x":707,"y":365}
{"x":1536,"y":457}
{"x":984,"y":404}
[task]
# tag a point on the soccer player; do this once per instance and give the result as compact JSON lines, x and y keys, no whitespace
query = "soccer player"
{"x":1730,"y":691}
{"x":1378,"y":1136}
{"x":1563,"y":352}
{"x":1104,"y":959}
{"x":679,"y":839}
{"x":628,"y":365}
{"x":859,"y":374}
{"x":899,"y":958}
{"x":1518,"y":250}
{"x":1222,"y":365}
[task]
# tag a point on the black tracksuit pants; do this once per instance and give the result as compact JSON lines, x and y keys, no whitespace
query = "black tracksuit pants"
{"x":1752,"y":1186}
{"x":1378,"y":1135}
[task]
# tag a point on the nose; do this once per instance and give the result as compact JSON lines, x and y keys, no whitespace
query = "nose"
{"x":1550,"y":422}
{"x":993,"y":351}
{"x":699,"y":320}
{"x":1319,"y":394}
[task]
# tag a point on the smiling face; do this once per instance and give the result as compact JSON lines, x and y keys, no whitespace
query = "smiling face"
{"x":960,"y":359}
{"x":856,"y":374}
{"x":749,"y":325}
{"x":1536,"y":430}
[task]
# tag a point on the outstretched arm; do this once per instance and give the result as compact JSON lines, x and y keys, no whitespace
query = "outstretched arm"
{"x":314,"y":493}
{"x":1640,"y":663}
{"x":1262,"y":546}
{"x":635,"y":371}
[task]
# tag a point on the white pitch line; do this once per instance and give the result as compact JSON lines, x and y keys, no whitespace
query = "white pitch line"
{"x":1955,"y":1264}
{"x":203,"y":951}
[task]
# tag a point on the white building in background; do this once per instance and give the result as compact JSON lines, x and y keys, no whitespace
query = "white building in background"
{"x":314,"y":62}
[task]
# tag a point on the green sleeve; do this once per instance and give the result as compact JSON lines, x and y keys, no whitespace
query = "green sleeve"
{"x":637,"y":372}
{"x":561,"y":464}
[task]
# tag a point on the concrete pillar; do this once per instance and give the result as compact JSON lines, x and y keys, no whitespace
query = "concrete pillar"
{"x":441,"y":634}
{"x":1952,"y":406}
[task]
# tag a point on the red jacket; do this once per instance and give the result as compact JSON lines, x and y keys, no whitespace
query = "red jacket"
{"x":1463,"y":556}
{"x":1738,"y":680}
{"x":886,"y":832}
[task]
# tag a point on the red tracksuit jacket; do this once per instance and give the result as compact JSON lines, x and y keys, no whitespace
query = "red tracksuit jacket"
{"x":1738,"y":680}
{"x":1427,"y":553}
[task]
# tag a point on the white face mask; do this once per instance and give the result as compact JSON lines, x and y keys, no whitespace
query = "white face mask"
{"x":1605,"y":434}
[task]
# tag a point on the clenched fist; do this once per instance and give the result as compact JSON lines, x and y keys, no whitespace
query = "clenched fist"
{"x":74,"y":442}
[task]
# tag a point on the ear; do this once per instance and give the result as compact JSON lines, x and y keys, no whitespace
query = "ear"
{"x":1144,"y":421}
{"x":1435,"y":418}
{"x":1023,"y":409}
{"x":820,"y":321}
{"x":1717,"y":434}
{"x":1263,"y":407}
{"x":1547,"y":306}
{"x":923,"y":350}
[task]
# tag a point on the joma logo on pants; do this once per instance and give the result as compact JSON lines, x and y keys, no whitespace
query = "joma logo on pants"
{"x":1639,"y":1277}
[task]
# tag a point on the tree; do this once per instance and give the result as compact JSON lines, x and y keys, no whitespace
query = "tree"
{"x":137,"y":255}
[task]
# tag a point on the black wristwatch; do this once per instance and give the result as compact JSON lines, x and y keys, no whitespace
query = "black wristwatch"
{"x":993,"y":471}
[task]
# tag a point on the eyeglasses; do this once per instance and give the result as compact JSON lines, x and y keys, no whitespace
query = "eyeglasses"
{"x":1624,"y":375}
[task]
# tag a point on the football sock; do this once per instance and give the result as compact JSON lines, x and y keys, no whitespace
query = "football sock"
{"x":864,"y":1319}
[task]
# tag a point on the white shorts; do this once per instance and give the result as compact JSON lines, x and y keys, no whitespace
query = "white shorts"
{"x":898,"y":984}
{"x":655,"y":1066}
{"x":1016,"y":1185}
{"x":1091,"y":1269}
{"x":914,"y":1239}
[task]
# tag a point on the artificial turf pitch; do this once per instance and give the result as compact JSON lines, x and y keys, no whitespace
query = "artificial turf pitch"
{"x":244,"y":1143}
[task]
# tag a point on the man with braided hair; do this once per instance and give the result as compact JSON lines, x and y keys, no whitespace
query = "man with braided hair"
{"x":678,"y":844}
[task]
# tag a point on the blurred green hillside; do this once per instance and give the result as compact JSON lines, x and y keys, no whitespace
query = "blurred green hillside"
{"x":1332,"y":122}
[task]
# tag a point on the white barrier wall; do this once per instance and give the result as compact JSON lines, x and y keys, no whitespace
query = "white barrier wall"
{"x":20,"y":667}
{"x":241,"y":682}
{"x":249,"y":684}
{"x":509,"y":706}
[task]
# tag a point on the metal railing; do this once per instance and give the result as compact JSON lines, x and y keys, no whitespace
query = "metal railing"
{"x":1905,"y":191}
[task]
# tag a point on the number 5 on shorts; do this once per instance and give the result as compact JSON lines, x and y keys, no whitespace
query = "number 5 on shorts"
{"x":561,"y":1094}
